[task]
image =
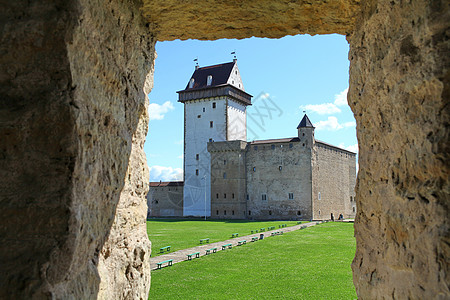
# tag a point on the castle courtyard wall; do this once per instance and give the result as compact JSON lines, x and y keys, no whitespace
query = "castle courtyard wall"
{"x":275,"y":170}
{"x":333,"y":182}
{"x":165,"y":200}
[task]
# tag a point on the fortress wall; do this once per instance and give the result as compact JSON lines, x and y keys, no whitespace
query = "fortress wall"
{"x":294,"y":177}
{"x":165,"y":201}
{"x":331,"y":179}
{"x":228,"y":158}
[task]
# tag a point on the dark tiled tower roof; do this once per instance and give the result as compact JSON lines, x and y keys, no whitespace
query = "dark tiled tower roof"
{"x":220,"y":74}
{"x":305,"y":122}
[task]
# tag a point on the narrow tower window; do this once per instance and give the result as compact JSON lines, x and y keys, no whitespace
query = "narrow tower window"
{"x":291,"y":196}
{"x":209,"y":80}
{"x":196,"y":172}
{"x":197,"y":156}
{"x":211,"y":124}
{"x":214,"y":105}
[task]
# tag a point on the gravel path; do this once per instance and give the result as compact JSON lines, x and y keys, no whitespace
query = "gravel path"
{"x":181,"y":255}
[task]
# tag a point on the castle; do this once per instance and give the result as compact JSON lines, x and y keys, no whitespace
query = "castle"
{"x":227,"y":177}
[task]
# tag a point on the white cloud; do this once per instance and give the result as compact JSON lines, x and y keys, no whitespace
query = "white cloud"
{"x":180,"y":142}
{"x":158,"y":173}
{"x":157,"y":112}
{"x":332,"y":124}
{"x":328,"y":108}
{"x":321,"y":109}
{"x":180,"y":156}
{"x":341,"y":98}
{"x":352,"y":148}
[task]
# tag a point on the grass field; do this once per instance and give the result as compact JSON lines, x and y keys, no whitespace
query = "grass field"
{"x":182,"y":233}
{"x":312,"y":263}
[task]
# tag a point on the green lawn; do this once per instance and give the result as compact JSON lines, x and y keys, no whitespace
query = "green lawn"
{"x":182,"y":233}
{"x":312,"y":263}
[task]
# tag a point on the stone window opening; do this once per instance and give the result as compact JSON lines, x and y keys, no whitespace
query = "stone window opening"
{"x":351,"y":199}
{"x":217,"y":212}
{"x":217,"y":196}
{"x":210,"y":140}
{"x":232,"y":212}
{"x":203,"y":109}
{"x":318,"y":196}
{"x":280,"y":168}
{"x":156,"y":201}
{"x":248,"y":197}
{"x":249,"y":212}
{"x":224,"y":161}
{"x":196,"y":172}
{"x":197,"y":156}
{"x":303,"y":144}
{"x":273,"y":147}
{"x":224,"y":212}
{"x":354,"y":209}
{"x":270,"y":212}
{"x":263,"y":197}
{"x":214,"y":105}
{"x":199,"y":116}
{"x":299,"y":213}
{"x":232,"y":195}
{"x":255,"y":148}
{"x":211,"y":124}
{"x":291,"y":196}
{"x":319,"y":212}
{"x":224,"y":196}
{"x":254,"y":169}
{"x":224,"y":175}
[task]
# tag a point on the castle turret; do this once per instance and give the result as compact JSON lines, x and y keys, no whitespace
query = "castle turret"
{"x":306,"y":132}
{"x":214,"y":110}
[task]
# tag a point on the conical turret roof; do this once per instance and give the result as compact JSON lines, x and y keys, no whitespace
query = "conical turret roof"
{"x":305,"y":122}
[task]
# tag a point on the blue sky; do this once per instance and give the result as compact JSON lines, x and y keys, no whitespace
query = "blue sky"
{"x":285,"y":76}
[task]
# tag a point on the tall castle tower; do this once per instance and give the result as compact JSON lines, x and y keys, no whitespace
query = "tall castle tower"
{"x":215,"y":109}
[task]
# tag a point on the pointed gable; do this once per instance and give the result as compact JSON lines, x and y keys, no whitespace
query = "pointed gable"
{"x":305,"y":122}
{"x":218,"y":75}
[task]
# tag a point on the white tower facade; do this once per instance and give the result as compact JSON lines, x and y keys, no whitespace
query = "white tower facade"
{"x":214,"y":110}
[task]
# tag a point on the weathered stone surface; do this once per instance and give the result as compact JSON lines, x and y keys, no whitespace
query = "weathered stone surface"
{"x":399,"y":92}
{"x":73,"y":112}
{"x":204,"y":19}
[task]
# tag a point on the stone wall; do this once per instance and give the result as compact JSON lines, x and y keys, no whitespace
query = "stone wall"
{"x":275,"y":170}
{"x":399,"y":93}
{"x":165,"y":199}
{"x":334,"y":179}
{"x":73,"y":112}
{"x":228,"y":181}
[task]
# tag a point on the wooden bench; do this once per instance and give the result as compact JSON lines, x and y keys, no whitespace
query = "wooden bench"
{"x":161,"y":250}
{"x":169,"y":263}
{"x":262,"y":229}
{"x":242,"y":242}
{"x":212,"y":249}
{"x":254,"y":239}
{"x":299,"y":222}
{"x":235,"y":235}
{"x":273,"y":233}
{"x":227,"y":245}
{"x":197,"y":255}
{"x":281,"y":233}
{"x":204,"y":240}
{"x":271,"y":228}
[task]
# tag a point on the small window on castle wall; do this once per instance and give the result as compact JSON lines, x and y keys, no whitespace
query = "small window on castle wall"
{"x":209,"y":80}
{"x":303,"y":134}
{"x":196,"y":172}
{"x":273,"y":147}
{"x":291,"y":196}
{"x":254,"y":169}
{"x":203,"y":109}
{"x":217,"y":196}
{"x":224,"y":212}
{"x":319,"y":212}
{"x":214,"y":105}
{"x":318,"y":197}
{"x":156,"y":201}
{"x":224,"y":161}
{"x":299,"y":213}
{"x":225,"y":175}
{"x":270,"y":212}
{"x":248,"y":197}
{"x":210,"y":140}
{"x":232,"y":212}
{"x":249,"y":212}
{"x":255,"y":148}
{"x":217,"y":212}
{"x":224,"y":195}
{"x":303,"y":145}
{"x":290,"y":145}
{"x":232,"y":195}
{"x":197,"y":156}
{"x":263,"y":197}
{"x":280,"y":168}
{"x":211,"y":124}
{"x":353,"y":209}
{"x":199,"y":116}
{"x":351,"y":199}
